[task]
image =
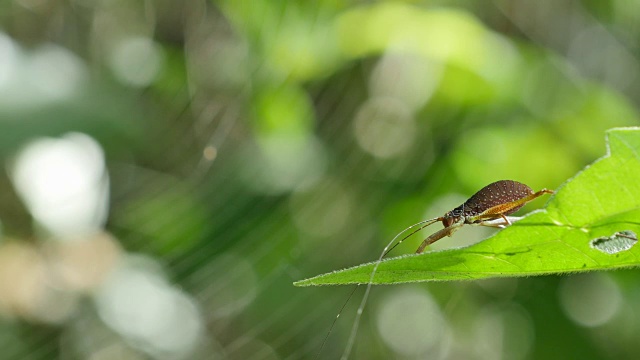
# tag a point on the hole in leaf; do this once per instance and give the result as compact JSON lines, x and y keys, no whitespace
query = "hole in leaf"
{"x":620,"y":241}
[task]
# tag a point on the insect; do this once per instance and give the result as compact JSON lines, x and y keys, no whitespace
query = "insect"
{"x":490,"y":206}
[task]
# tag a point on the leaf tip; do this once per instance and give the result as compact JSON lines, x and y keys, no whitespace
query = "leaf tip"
{"x":302,"y":283}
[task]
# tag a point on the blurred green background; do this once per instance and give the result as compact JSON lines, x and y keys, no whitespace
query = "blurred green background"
{"x":171,"y":167}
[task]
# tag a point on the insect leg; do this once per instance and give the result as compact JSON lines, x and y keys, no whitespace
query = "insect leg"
{"x":497,"y":221}
{"x":448,"y":231}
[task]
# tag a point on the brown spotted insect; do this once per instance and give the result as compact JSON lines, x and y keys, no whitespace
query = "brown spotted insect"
{"x":490,"y":206}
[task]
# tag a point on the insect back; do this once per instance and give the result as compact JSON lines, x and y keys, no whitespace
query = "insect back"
{"x":500,"y":197}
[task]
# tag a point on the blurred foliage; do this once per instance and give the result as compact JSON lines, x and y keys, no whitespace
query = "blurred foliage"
{"x":250,"y":143}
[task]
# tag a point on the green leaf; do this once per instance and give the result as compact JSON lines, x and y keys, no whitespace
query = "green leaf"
{"x":571,"y":235}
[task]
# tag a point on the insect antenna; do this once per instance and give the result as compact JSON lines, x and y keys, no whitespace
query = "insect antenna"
{"x":428,"y":222}
{"x":356,"y":322}
{"x":334,"y":321}
{"x":384,"y":253}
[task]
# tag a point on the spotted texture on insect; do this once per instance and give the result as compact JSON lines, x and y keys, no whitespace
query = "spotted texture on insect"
{"x":495,"y":194}
{"x":489,"y":207}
